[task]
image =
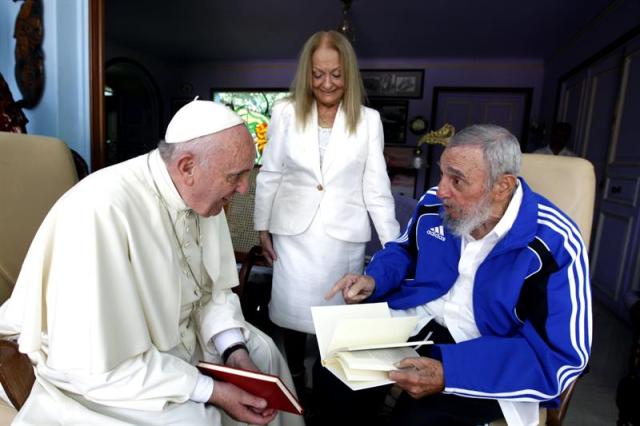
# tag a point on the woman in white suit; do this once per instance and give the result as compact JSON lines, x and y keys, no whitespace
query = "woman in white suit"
{"x":323,"y":174}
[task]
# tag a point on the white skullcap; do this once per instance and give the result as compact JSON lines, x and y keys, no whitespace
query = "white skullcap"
{"x":200,"y":118}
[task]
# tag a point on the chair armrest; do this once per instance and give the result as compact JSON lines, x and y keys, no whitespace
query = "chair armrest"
{"x":555,"y":416}
{"x":16,"y":373}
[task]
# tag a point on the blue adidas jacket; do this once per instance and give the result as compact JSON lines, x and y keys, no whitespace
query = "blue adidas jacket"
{"x":531,"y":299}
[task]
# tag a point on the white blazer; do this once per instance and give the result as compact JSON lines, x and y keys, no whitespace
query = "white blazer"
{"x":292,"y":188}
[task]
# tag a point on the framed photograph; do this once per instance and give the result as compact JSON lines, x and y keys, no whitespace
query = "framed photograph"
{"x":394,"y":119}
{"x":393,"y":83}
{"x":402,"y":172}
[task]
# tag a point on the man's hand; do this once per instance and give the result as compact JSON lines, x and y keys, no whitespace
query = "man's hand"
{"x":241,"y":359}
{"x":241,"y":405}
{"x":267,"y":247}
{"x":354,"y":288}
{"x":245,"y":404}
{"x":419,"y":377}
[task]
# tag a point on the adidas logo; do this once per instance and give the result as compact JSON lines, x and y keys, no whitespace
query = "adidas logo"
{"x":437,"y":232}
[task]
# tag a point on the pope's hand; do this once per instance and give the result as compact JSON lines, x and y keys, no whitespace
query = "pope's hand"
{"x":241,"y":359}
{"x":354,"y":288}
{"x":419,"y":377}
{"x":267,"y":247}
{"x":241,"y":405}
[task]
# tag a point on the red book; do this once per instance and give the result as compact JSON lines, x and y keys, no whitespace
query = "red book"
{"x":263,"y":385}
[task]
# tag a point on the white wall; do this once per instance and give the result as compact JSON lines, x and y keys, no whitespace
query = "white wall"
{"x":63,"y":111}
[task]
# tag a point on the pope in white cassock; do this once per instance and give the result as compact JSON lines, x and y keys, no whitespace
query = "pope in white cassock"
{"x":127,"y":285}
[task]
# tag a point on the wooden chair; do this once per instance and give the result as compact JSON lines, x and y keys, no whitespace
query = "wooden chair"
{"x":35,"y":171}
{"x":246,"y":245}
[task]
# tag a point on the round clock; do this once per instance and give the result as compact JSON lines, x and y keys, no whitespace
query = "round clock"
{"x":418,"y":125}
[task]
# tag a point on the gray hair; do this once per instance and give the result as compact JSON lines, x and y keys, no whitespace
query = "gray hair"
{"x":169,"y":152}
{"x":500,"y":149}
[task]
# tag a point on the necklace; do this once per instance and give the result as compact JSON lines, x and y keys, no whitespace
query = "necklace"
{"x":325,"y":124}
{"x":183,"y":257}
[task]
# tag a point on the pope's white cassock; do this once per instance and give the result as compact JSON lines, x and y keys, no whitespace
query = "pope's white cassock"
{"x":121,"y":292}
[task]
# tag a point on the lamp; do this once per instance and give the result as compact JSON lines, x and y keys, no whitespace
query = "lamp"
{"x":345,"y":26}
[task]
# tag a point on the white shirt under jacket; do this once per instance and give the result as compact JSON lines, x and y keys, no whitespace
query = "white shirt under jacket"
{"x":293,"y":185}
{"x":120,"y":320}
{"x":454,"y":310}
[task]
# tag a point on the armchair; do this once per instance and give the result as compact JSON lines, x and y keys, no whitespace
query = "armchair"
{"x":570,"y":183}
{"x":35,"y":171}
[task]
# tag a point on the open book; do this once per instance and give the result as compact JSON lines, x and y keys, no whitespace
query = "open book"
{"x":361,"y":343}
{"x":266,"y":386}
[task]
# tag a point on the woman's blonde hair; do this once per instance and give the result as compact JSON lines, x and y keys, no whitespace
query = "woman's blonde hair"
{"x":354,"y":93}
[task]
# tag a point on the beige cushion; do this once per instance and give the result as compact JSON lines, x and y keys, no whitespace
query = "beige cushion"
{"x":569,"y":182}
{"x":7,"y":413}
{"x":34,"y":172}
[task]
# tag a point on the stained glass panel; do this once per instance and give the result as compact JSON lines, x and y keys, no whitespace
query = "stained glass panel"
{"x":254,"y":106}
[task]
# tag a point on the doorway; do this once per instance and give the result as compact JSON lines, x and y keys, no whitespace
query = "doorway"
{"x":133,"y":109}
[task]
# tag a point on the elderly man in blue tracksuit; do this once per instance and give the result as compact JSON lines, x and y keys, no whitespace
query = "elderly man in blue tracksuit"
{"x":498,"y":276}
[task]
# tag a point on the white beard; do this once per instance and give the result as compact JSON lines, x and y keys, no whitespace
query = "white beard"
{"x":470,"y":220}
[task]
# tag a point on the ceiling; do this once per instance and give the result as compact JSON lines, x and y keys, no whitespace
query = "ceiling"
{"x":239,"y":30}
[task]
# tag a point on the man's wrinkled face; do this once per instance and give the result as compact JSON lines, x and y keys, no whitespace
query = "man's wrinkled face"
{"x":225,"y":173}
{"x":463,"y":189}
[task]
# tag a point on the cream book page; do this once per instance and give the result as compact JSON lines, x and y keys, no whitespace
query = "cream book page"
{"x":345,"y":331}
{"x":360,"y":333}
{"x":326,"y":319}
{"x":377,"y":359}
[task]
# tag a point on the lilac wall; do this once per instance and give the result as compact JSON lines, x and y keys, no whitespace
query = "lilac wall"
{"x":186,"y":80}
{"x":524,"y":73}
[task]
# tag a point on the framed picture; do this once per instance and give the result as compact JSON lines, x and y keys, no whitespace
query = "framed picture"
{"x":393,"y":83}
{"x":394,"y":119}
{"x":402,"y":172}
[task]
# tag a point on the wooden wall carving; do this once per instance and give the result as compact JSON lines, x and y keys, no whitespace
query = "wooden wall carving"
{"x":29,"y":69}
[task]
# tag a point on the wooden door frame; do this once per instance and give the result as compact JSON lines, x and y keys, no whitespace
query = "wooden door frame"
{"x":96,"y":84}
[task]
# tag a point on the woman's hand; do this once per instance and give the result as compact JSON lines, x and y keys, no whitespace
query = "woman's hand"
{"x":267,"y":247}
